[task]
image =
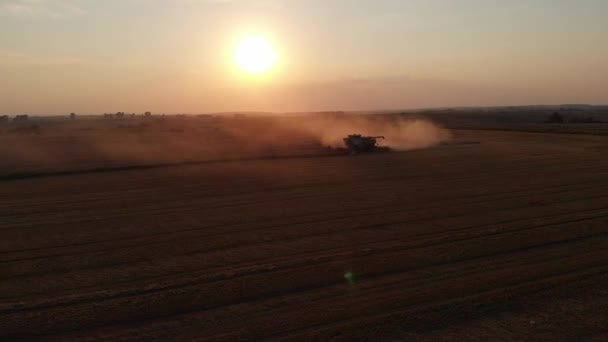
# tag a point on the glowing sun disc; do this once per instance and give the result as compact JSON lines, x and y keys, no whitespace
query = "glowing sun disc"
{"x":255,"y":55}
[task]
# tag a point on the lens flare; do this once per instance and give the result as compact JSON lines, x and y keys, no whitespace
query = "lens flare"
{"x":350,"y":277}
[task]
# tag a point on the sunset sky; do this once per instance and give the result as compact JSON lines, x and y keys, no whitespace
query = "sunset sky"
{"x":175,"y":56}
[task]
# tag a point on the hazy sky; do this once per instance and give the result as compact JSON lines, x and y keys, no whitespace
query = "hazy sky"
{"x":92,"y":56}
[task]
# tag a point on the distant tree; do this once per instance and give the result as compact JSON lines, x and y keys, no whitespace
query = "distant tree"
{"x":120,"y":115}
{"x":3,"y":118}
{"x":588,"y":119}
{"x":555,"y":118}
{"x":21,"y":118}
{"x":147,"y":114}
{"x":73,"y":116}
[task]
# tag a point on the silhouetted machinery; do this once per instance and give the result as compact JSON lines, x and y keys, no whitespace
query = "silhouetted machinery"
{"x":356,"y":143}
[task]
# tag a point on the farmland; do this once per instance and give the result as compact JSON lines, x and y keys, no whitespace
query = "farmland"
{"x":495,"y":233}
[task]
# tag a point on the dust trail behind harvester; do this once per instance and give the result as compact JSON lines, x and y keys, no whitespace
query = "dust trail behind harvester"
{"x":400,"y":133}
{"x":101,"y":143}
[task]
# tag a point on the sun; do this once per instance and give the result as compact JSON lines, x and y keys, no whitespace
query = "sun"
{"x":255,"y":55}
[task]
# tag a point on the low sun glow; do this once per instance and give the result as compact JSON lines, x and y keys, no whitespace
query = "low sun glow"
{"x":255,"y":55}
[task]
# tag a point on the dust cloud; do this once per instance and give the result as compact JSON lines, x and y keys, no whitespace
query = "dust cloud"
{"x":400,"y":133}
{"x":95,"y":142}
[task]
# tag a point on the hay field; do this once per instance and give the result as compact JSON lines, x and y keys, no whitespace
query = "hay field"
{"x":189,"y":232}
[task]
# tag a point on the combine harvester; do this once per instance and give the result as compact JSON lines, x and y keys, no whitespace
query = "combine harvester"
{"x":356,"y":143}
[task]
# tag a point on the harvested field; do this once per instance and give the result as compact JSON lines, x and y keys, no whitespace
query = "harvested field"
{"x":494,"y":234}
